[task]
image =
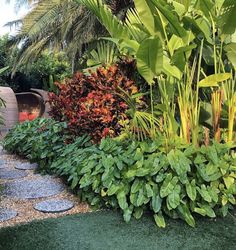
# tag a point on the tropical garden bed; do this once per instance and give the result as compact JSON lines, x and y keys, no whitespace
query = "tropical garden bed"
{"x":150,"y":126}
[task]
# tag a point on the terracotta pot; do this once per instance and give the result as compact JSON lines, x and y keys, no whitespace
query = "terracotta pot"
{"x":10,"y":112}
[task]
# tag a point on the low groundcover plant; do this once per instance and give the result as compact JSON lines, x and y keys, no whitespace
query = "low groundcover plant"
{"x":134,"y":176}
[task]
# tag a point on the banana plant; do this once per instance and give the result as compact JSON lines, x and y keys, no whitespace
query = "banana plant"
{"x":163,"y":36}
{"x":143,"y":34}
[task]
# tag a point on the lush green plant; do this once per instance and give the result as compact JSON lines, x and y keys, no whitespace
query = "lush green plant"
{"x":136,"y":177}
{"x":91,"y":104}
{"x":39,"y":140}
{"x":40,"y":73}
{"x":180,"y":42}
{"x":47,"y":69}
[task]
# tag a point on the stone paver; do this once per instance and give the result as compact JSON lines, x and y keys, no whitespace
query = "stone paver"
{"x":34,"y":188}
{"x":54,"y":206}
{"x":22,"y":189}
{"x":7,"y":214}
{"x":26,"y":166}
{"x":2,"y":164}
{"x":11,"y":174}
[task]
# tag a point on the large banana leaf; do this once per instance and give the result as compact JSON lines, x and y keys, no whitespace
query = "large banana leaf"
{"x":182,"y":55}
{"x":231,"y":53}
{"x":213,"y":80}
{"x":199,"y":26}
{"x":227,"y":18}
{"x":145,"y":13}
{"x":172,"y":19}
{"x":150,"y":58}
{"x":206,"y":6}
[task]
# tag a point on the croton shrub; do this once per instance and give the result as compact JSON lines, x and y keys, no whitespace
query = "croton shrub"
{"x":92,"y":104}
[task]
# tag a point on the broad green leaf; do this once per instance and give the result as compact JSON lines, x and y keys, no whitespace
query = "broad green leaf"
{"x":200,"y":211}
{"x":168,"y":185}
{"x":213,"y":80}
{"x":113,"y":189}
{"x":150,"y":58}
{"x":142,"y":172}
{"x":149,"y":190}
{"x":133,"y":198}
{"x":231,"y":53}
{"x":122,"y":200}
{"x":179,"y":162}
{"x":179,"y":8}
{"x":191,"y":190}
{"x":171,"y":70}
{"x":127,"y":214}
{"x":159,"y":219}
{"x":214,"y":193}
{"x":205,"y":6}
{"x":172,"y":19}
{"x":209,"y":211}
{"x":199,"y":26}
{"x":131,"y":173}
{"x":212,"y":155}
{"x":138,"y":212}
{"x":146,"y":15}
{"x":156,"y":203}
{"x":75,"y":182}
{"x":136,"y":185}
{"x":229,"y":181}
{"x":140,"y":198}
{"x":130,"y":45}
{"x":211,"y":169}
{"x":185,"y":3}
{"x":185,"y":213}
{"x":227,"y":18}
{"x":173,"y":199}
{"x":174,"y":44}
{"x":204,"y":193}
{"x":200,"y":159}
{"x":181,"y":56}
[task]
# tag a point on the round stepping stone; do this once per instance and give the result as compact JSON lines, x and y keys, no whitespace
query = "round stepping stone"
{"x":32,"y":189}
{"x":2,"y":164}
{"x":12,"y":174}
{"x":54,"y":206}
{"x":26,"y":166}
{"x":7,"y":214}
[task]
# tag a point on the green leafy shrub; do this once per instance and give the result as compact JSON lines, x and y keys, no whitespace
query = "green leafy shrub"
{"x":91,"y":104}
{"x":133,"y":176}
{"x":136,"y":177}
{"x":39,"y":140}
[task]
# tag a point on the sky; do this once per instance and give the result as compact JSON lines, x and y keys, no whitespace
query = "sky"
{"x":7,"y":14}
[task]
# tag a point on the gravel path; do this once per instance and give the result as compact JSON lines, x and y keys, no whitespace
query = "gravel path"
{"x":17,"y":194}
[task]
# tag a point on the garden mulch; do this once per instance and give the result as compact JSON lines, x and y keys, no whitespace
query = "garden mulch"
{"x":25,"y":207}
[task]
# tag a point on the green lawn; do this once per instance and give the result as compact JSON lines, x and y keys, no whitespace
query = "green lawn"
{"x":106,"y":230}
